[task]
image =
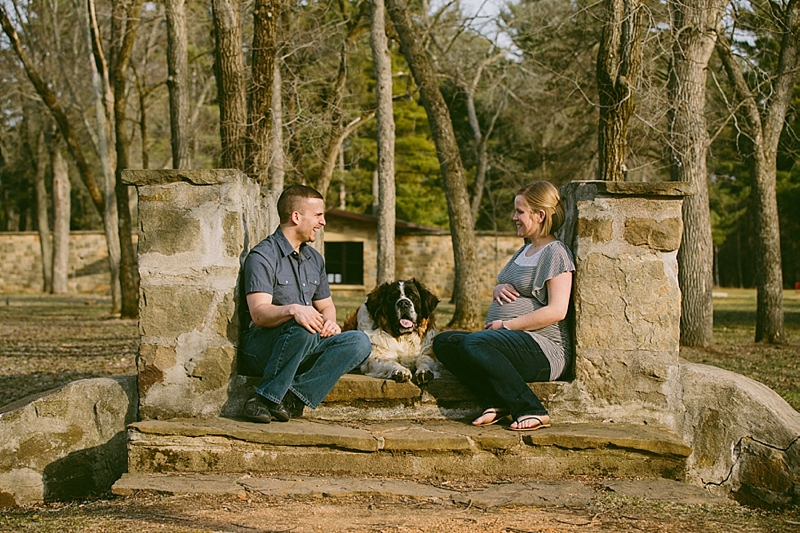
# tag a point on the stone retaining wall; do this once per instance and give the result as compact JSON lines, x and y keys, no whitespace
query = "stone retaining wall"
{"x":21,"y":262}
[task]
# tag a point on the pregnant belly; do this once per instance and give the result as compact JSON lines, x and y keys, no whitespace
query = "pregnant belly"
{"x":520,"y":306}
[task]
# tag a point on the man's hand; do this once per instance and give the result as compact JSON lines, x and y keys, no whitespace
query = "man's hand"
{"x":309,"y":318}
{"x":505,"y":292}
{"x":329,"y":329}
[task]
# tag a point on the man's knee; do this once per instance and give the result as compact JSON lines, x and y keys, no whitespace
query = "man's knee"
{"x":359,"y":341}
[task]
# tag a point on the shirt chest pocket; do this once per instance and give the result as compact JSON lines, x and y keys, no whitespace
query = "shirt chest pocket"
{"x":285,"y":291}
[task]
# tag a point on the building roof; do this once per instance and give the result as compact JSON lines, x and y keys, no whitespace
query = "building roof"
{"x":401,"y":227}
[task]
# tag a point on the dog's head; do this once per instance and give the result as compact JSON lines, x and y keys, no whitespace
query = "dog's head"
{"x":402,"y":307}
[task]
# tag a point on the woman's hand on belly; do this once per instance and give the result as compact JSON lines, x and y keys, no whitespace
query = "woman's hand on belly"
{"x":505,"y":292}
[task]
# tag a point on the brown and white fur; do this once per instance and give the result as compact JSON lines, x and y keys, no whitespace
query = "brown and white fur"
{"x":398,"y":317}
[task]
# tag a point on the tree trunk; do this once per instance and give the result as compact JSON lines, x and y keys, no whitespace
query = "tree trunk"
{"x":468,"y":310}
{"x":177,"y":82}
{"x":125,"y":21}
{"x":619,"y":64}
{"x":277,"y":159}
{"x":765,"y":135}
{"x":386,"y":132}
{"x":229,"y":69}
{"x":43,"y":220}
{"x":693,"y":27}
{"x":265,"y":23}
{"x":61,"y":215}
{"x":104,"y":114}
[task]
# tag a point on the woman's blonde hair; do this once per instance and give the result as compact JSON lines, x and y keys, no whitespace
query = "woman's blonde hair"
{"x":542,"y":195}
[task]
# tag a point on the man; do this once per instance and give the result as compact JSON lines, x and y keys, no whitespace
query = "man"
{"x":294,"y":342}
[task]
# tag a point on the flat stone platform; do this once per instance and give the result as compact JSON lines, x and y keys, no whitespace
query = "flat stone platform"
{"x":482,"y":495}
{"x":398,"y":448}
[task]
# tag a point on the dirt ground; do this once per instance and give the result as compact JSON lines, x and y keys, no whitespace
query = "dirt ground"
{"x":47,"y":341}
{"x":258,"y":513}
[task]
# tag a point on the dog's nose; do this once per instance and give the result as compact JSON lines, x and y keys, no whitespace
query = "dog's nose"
{"x":405,"y":304}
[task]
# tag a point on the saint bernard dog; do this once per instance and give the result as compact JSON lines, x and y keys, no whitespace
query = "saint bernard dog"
{"x":398,"y":317}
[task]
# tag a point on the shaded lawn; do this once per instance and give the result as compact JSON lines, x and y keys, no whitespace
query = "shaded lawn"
{"x":777,"y":366}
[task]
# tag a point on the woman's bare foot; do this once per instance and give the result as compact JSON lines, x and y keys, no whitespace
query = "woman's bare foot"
{"x":530,"y":423}
{"x":491,"y":415}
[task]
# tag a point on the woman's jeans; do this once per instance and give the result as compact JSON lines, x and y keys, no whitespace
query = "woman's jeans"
{"x":496,"y":365}
{"x":290,"y":358}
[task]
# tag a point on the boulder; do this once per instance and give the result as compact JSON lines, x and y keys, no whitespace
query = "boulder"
{"x":66,"y":443}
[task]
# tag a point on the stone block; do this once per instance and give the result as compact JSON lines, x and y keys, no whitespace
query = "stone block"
{"x":167,"y":232}
{"x":662,"y":235}
{"x":66,"y":443}
{"x":168,"y":311}
{"x":626,"y":303}
{"x":595,"y":229}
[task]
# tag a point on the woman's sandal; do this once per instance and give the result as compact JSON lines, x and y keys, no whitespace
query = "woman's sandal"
{"x":499,"y":414}
{"x":525,"y":418}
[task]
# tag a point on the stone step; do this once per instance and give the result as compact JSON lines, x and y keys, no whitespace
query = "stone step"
{"x":359,"y":397}
{"x":399,"y":448}
{"x":543,"y":493}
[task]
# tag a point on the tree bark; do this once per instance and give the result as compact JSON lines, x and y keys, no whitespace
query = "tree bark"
{"x":104,"y":114}
{"x":386,"y":133}
{"x":277,"y":159}
{"x":619,"y":64}
{"x":124,"y":23}
{"x":38,"y":157}
{"x":694,"y":33}
{"x":61,"y":215}
{"x":265,"y":23}
{"x":468,"y":310}
{"x":177,"y":83}
{"x":229,"y":69}
{"x":764,"y":129}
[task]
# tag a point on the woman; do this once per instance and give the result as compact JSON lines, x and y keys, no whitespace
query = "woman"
{"x":526,"y":336}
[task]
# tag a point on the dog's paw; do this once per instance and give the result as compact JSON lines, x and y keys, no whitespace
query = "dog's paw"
{"x":422,"y":376}
{"x":402,"y":375}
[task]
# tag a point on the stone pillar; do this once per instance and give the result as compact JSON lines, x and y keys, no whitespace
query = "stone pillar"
{"x":627,"y":303}
{"x":195,"y":227}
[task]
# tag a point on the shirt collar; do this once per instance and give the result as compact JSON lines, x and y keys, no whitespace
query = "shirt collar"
{"x":286,"y":247}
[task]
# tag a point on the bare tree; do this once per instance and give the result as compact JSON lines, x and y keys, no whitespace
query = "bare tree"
{"x":694,"y":25}
{"x":124,"y":23}
{"x":36,"y":152}
{"x":468,"y":310}
{"x":177,"y":82}
{"x":277,"y":160}
{"x":229,"y":68}
{"x":104,"y":115}
{"x":763,"y":125}
{"x":619,"y":64}
{"x":265,"y":23}
{"x":385,"y":124}
{"x":61,"y":216}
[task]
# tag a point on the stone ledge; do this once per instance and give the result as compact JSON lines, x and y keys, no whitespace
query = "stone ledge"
{"x":397,"y":448}
{"x":663,"y":189}
{"x":410,"y":435}
{"x":194,"y":177}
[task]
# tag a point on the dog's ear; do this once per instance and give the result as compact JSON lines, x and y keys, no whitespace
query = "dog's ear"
{"x":375,"y":301}
{"x":429,"y":300}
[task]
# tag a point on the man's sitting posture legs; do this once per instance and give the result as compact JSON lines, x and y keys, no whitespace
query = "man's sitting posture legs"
{"x":293,"y":341}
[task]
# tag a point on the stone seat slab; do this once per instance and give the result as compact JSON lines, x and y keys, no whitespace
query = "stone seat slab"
{"x":293,"y":433}
{"x":356,"y":396}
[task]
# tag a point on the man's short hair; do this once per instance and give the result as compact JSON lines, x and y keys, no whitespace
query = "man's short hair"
{"x":291,"y":200}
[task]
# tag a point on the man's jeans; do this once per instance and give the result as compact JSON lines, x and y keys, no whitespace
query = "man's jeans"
{"x":289,"y":358}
